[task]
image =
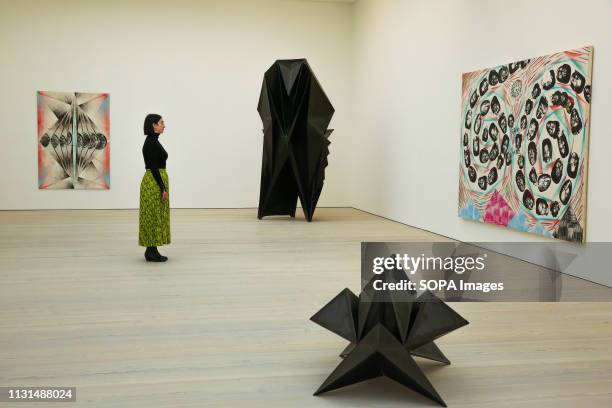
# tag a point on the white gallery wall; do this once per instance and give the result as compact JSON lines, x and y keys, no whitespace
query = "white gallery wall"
{"x":409,"y":57}
{"x":199,"y":63}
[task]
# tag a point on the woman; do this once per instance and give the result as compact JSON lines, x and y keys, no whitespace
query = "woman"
{"x":154,"y":199}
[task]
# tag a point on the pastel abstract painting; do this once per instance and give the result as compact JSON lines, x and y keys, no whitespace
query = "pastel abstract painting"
{"x":73,"y":140}
{"x":524,"y":144}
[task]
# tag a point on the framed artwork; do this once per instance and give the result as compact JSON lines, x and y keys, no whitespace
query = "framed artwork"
{"x":524,"y":144}
{"x":73,"y":140}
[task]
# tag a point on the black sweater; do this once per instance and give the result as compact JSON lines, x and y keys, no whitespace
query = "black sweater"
{"x":155,"y":157}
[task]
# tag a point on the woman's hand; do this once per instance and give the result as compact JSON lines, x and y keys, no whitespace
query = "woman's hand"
{"x":164,"y":196}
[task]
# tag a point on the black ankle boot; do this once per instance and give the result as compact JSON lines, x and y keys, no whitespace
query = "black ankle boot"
{"x":163,"y":258}
{"x":152,"y":255}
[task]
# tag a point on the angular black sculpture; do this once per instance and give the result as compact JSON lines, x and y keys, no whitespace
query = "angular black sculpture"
{"x":295,"y":113}
{"x":385,"y":329}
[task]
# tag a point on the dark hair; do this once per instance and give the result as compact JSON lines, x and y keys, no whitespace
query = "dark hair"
{"x":148,"y":123}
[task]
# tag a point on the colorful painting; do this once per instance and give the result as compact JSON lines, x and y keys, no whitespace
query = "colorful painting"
{"x":524,"y":144}
{"x":73,"y":140}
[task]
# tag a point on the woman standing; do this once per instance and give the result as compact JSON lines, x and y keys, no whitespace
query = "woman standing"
{"x":154,"y":217}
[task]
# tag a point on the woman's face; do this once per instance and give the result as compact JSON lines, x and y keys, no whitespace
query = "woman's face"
{"x":159,"y":127}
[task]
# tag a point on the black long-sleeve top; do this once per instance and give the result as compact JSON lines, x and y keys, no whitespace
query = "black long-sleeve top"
{"x":155,"y":157}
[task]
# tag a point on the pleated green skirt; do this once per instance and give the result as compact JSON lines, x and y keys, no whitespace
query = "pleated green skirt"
{"x":154,"y":216}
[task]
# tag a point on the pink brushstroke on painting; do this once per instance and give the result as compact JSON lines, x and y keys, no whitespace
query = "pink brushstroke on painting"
{"x":498,"y":211}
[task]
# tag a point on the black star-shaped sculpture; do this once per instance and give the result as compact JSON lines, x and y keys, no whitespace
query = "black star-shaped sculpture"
{"x":385,"y":329}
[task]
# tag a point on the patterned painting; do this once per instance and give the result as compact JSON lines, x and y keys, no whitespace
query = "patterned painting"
{"x":73,"y":140}
{"x":524,"y":144}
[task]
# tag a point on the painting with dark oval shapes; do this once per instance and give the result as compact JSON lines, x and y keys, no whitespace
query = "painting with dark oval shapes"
{"x":73,"y":140}
{"x":524,"y":144}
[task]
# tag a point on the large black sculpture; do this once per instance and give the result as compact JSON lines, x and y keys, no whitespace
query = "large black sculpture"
{"x":295,"y":113}
{"x":385,"y":329}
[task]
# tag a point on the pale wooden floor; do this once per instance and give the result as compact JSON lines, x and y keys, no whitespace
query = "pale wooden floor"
{"x":225,"y":322}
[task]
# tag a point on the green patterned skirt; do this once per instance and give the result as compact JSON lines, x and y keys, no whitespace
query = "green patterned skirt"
{"x":154,"y":217}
